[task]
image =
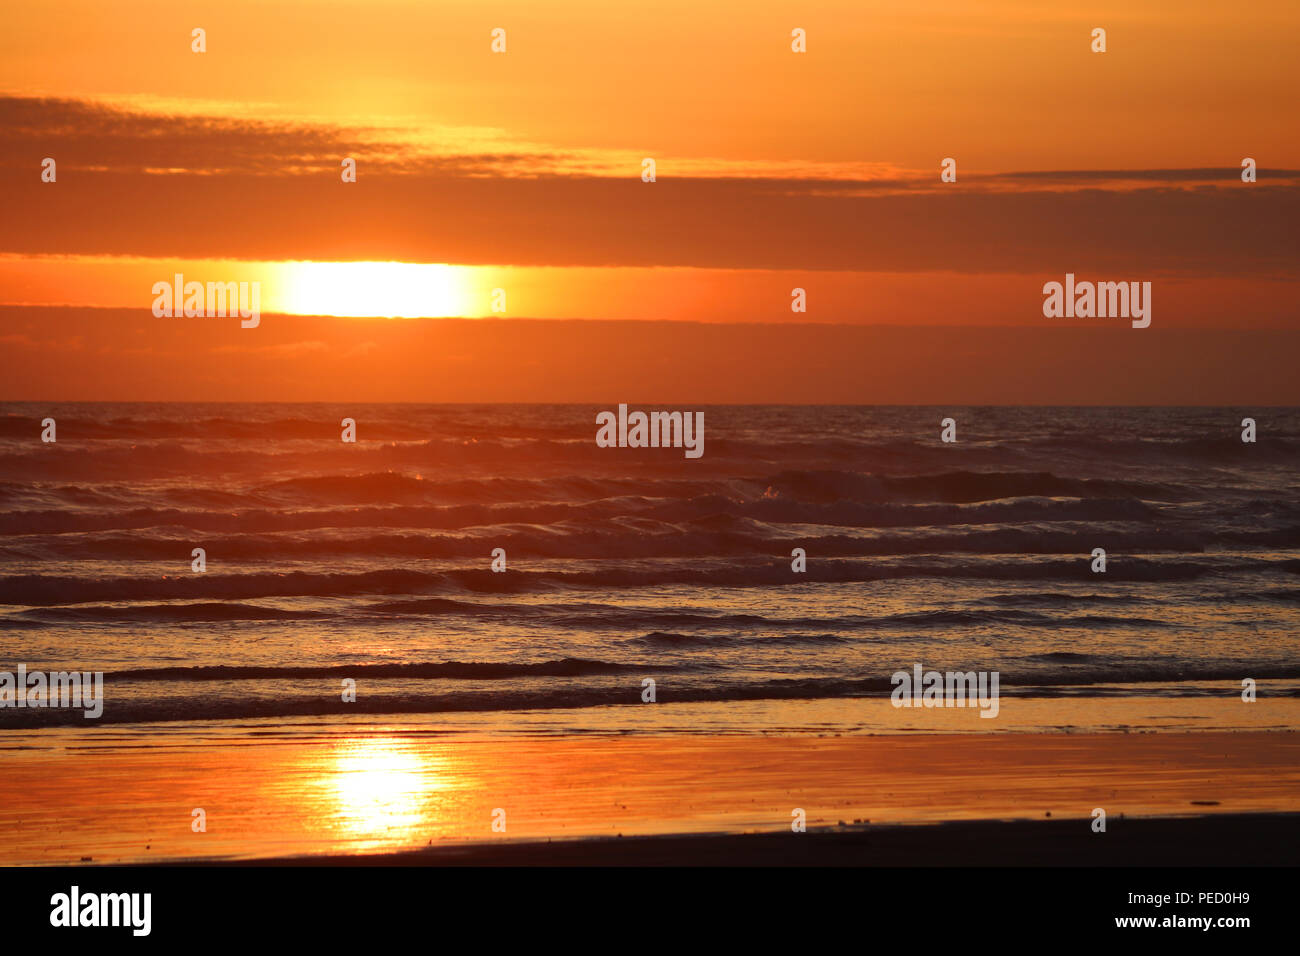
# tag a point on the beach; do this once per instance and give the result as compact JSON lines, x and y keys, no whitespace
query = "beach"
{"x":475,"y":629}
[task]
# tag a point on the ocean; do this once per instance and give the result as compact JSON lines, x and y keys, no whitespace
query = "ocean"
{"x":371,"y":562}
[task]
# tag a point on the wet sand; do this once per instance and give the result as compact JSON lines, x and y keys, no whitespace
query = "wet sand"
{"x":130,"y":796}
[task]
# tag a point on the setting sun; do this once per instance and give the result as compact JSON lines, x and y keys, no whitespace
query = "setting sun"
{"x":389,"y":289}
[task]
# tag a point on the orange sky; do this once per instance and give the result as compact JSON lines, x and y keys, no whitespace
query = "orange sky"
{"x":775,"y":170}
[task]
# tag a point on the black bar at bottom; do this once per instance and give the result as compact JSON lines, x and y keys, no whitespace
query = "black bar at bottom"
{"x":612,"y":907}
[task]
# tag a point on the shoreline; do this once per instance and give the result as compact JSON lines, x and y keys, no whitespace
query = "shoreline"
{"x":1255,"y":839}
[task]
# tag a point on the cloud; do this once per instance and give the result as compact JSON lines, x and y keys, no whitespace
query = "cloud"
{"x":254,"y":190}
{"x":455,"y":360}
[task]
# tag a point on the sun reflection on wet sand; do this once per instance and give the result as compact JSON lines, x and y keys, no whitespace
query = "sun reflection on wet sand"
{"x":379,"y":786}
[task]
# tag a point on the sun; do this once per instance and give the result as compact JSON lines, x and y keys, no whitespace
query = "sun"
{"x":391,"y":289}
